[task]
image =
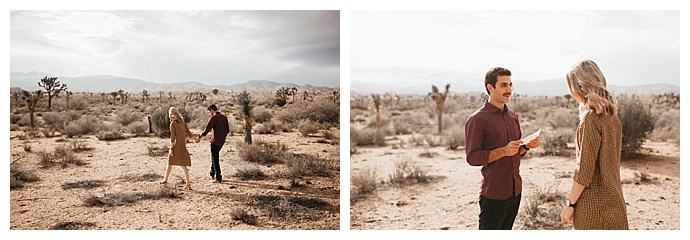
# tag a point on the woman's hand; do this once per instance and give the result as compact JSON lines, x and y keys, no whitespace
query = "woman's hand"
{"x":170,"y":152}
{"x":567,"y":214}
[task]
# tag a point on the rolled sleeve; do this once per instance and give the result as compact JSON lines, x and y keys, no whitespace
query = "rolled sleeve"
{"x":476,"y":156}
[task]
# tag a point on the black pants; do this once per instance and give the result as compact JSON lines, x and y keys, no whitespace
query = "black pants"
{"x":215,"y":162}
{"x":498,"y":214}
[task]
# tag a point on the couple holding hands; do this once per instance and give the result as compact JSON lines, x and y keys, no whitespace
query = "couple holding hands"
{"x":178,"y":155}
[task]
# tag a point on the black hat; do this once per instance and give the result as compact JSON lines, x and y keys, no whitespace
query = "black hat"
{"x":212,"y":107}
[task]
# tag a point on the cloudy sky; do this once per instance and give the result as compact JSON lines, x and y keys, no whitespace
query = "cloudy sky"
{"x":399,"y":47}
{"x":210,"y":47}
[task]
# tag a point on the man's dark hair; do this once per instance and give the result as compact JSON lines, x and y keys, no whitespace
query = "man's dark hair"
{"x":492,"y":76}
{"x":214,"y":108}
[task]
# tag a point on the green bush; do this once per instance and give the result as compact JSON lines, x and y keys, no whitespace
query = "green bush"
{"x":637,"y":122}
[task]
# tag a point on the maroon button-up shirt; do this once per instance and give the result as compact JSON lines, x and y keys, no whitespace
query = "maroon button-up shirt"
{"x":487,"y":129}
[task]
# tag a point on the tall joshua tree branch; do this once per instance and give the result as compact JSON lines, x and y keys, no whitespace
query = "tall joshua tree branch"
{"x":53,"y":87}
{"x":440,"y":99}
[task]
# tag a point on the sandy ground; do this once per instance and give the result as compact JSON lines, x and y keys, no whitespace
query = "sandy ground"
{"x":125,"y":167}
{"x":451,"y":201}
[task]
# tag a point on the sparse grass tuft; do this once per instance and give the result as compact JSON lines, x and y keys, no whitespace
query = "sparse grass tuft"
{"x":241,"y":215}
{"x":250,"y":173}
{"x":406,"y":173}
{"x":72,"y":225}
{"x":543,"y":209}
{"x":19,"y":176}
{"x":85,"y":184}
{"x":362,"y":184}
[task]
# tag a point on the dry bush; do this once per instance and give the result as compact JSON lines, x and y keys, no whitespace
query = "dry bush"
{"x":53,"y":120}
{"x":85,"y":184}
{"x":80,"y":146}
{"x":78,"y":104}
{"x":300,"y":165}
{"x":555,"y":142}
{"x":307,"y":127}
{"x":45,"y":158}
{"x":65,"y":156}
{"x":120,"y":199}
{"x":262,"y":152}
{"x":161,"y":121}
{"x":26,"y":146}
{"x":557,"y":118}
{"x":287,"y":210}
{"x":241,"y":215}
{"x":15,"y":118}
{"x":24,"y":120}
{"x":543,"y":209}
{"x":109,"y":135}
{"x":321,"y":112}
{"x":667,"y":125}
{"x":250,"y":173}
{"x":18,"y":176}
{"x":362,"y":184}
{"x":139,"y":129}
{"x":71,"y":116}
{"x":455,"y":137}
{"x":126,"y":117}
{"x":261,"y":115}
{"x":637,"y":122}
{"x":362,"y":137}
{"x":157,"y":149}
{"x":85,"y":125}
{"x":73,"y":226}
{"x":407,"y":173}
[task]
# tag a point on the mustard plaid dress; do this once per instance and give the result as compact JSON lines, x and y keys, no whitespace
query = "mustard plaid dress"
{"x":598,"y":148}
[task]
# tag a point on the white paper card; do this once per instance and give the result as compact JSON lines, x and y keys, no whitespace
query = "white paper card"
{"x":531,"y":137}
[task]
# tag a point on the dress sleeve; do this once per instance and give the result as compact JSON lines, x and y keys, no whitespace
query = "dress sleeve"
{"x":590,"y":143}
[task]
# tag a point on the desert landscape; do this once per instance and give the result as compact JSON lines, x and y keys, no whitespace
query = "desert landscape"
{"x":410,"y":172}
{"x":93,"y":160}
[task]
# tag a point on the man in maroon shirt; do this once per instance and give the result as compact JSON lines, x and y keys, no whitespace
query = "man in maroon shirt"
{"x":219,"y":124}
{"x":492,"y":136}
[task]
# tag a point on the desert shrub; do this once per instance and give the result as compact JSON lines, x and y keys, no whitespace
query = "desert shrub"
{"x":146,"y":177}
{"x":555,"y":142}
{"x":299,"y":165}
{"x":280,"y":102}
{"x":119,"y":199}
{"x":261,"y":115}
{"x":363,"y":137}
{"x":78,"y":104}
{"x":85,"y":125}
{"x":126,"y":117}
{"x":667,"y":125}
{"x":45,"y":158}
{"x":241,"y":215}
{"x":543,"y":209}
{"x":139,"y":128}
{"x":455,"y":137}
{"x":65,"y":156}
{"x":328,"y":134}
{"x":53,"y":120}
{"x":18,"y":176}
{"x":250,"y":173}
{"x":321,"y":112}
{"x":71,"y":116}
{"x":307,"y":127}
{"x":85,"y":184}
{"x":15,"y":127}
{"x":26,"y":146}
{"x":109,"y":135}
{"x":157,"y":149}
{"x":72,"y":225}
{"x":161,"y":121}
{"x":24,"y":120}
{"x":362,"y":184}
{"x":15,"y":118}
{"x":79,"y":146}
{"x":637,"y":122}
{"x":262,"y":129}
{"x":262,"y":152}
{"x":407,"y":173}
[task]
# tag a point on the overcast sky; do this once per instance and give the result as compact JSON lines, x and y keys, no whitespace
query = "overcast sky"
{"x":210,"y":47}
{"x":631,"y":47}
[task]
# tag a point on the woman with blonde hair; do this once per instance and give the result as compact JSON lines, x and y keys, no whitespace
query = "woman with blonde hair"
{"x":596,"y":198}
{"x":178,"y":154}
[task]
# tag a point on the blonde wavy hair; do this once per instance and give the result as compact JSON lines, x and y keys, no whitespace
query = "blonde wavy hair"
{"x":588,"y":87}
{"x":174,"y":115}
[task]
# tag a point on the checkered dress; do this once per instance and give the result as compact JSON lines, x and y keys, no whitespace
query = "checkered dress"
{"x":598,"y":147}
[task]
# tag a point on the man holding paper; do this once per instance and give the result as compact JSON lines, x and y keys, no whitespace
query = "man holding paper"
{"x":492,"y":140}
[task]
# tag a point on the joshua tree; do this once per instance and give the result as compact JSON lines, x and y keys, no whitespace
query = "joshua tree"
{"x":67,"y":94}
{"x":52,"y":87}
{"x":244,"y":100}
{"x":214,"y":91}
{"x":378,"y":138}
{"x":31,"y":100}
{"x":440,"y":99}
{"x":144,"y":96}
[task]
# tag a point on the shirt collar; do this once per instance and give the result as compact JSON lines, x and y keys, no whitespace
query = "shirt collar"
{"x":493,"y":109}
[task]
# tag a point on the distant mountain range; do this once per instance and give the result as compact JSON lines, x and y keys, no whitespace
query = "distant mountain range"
{"x":108,"y":83}
{"x":551,"y":87}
